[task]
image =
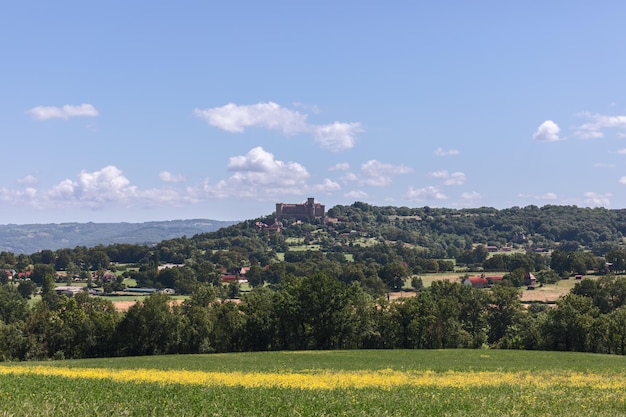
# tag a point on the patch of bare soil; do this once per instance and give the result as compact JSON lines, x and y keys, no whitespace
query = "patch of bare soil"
{"x":125,"y":305}
{"x":544,"y":294}
{"x":402,"y":294}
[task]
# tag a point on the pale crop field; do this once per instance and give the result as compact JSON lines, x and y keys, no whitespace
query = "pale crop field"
{"x":337,"y":383}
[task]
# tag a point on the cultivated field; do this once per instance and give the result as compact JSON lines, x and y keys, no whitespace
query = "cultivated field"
{"x":322,"y":383}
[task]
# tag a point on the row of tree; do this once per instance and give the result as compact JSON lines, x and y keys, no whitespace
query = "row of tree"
{"x":314,"y":312}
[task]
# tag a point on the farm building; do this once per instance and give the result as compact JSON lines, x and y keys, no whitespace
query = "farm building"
{"x":476,"y":282}
{"x":68,"y":290}
{"x":529,"y":280}
{"x":483,"y":281}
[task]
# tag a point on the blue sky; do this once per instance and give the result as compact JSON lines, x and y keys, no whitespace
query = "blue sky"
{"x":137,"y":111}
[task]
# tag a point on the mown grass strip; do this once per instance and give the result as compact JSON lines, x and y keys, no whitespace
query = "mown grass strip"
{"x":329,"y":380}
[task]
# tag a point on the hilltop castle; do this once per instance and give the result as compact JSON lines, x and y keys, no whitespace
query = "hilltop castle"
{"x":308,"y":210}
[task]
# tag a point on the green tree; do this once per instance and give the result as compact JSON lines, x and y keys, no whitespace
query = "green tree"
{"x":504,"y":311}
{"x":26,"y":289}
{"x":394,"y":274}
{"x":150,"y":327}
{"x":13,"y":307}
{"x":41,"y":271}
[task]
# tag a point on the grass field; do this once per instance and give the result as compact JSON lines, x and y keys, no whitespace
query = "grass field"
{"x":336,"y":383}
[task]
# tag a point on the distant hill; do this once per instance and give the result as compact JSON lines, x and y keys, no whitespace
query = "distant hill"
{"x":31,"y":238}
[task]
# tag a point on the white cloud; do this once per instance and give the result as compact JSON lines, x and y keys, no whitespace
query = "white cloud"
{"x":234,"y":118}
{"x":259,"y":175}
{"x":425,"y":194}
{"x":622,"y":180}
{"x":621,"y":151}
{"x":599,"y":200}
{"x":545,"y":196}
{"x":327,"y":186}
{"x":357,"y":194}
{"x":101,"y":189}
{"x":603,"y":165}
{"x":446,"y":152}
{"x":344,"y":166}
{"x":454,"y":178}
{"x":28,"y":180}
{"x":27,"y":195}
{"x":548,"y":196}
{"x":548,"y":131}
{"x":337,"y":136}
{"x":167,"y":176}
{"x":65,"y":112}
{"x":94,"y":189}
{"x":256,"y":174}
{"x":597,"y":125}
{"x":471,"y":196}
{"x":378,"y":174}
{"x":349,"y":177}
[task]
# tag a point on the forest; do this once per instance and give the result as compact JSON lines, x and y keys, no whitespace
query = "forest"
{"x":325,"y":284}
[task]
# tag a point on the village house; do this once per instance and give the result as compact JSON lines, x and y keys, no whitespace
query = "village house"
{"x":530,"y":281}
{"x":483,"y":281}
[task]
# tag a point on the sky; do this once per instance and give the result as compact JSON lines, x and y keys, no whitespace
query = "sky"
{"x":133,"y":111}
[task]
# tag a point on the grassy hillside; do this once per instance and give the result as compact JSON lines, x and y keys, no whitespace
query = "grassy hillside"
{"x":321,"y":383}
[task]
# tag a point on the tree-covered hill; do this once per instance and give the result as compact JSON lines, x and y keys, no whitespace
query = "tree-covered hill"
{"x":325,"y":284}
{"x":30,"y":238}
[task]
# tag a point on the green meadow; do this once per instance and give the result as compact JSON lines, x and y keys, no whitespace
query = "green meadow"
{"x":367,"y":383}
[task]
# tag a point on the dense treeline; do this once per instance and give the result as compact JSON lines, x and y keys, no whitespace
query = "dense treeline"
{"x":323,"y":285}
{"x":315,"y":312}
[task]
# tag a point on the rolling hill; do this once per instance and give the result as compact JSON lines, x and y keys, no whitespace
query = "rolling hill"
{"x":30,"y":238}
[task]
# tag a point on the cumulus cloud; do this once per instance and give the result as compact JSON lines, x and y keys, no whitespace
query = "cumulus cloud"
{"x":259,"y":174}
{"x":98,"y":190}
{"x":327,"y":186}
{"x":234,"y":118}
{"x":94,"y":188}
{"x":26,"y":196}
{"x":545,"y":196}
{"x":167,"y":176}
{"x":597,"y":125}
{"x":28,"y":180}
{"x":349,"y":177}
{"x":621,"y":151}
{"x":256,"y":174}
{"x":343,"y":166}
{"x":337,"y":136}
{"x":374,"y":173}
{"x":471,"y":196}
{"x":622,"y":180}
{"x":453,"y":178}
{"x":425,"y":194}
{"x":65,"y":112}
{"x":548,"y":131}
{"x":446,"y":152}
{"x":357,"y":194}
{"x":597,"y":199}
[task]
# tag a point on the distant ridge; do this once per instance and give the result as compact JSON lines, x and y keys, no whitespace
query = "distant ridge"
{"x":31,"y":238}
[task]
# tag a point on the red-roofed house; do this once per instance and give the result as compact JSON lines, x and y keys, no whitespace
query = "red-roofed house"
{"x":476,"y":282}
